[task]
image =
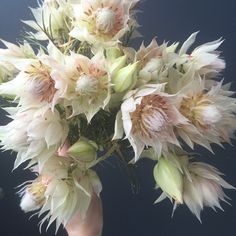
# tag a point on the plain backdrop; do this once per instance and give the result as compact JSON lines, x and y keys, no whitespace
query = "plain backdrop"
{"x":127,"y":214}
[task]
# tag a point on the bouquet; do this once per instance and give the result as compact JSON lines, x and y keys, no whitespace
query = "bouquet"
{"x":77,"y":93}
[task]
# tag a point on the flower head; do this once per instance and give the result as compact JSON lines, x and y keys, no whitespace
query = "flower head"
{"x":203,"y":187}
{"x":60,"y":192}
{"x":83,"y":84}
{"x":149,"y":117}
{"x":211,"y":112}
{"x":51,"y":18}
{"x":204,"y":59}
{"x":156,"y":62}
{"x":195,"y":184}
{"x":102,"y":22}
{"x":35,"y":134}
{"x":32,"y":82}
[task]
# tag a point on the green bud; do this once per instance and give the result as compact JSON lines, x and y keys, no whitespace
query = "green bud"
{"x":83,"y":150}
{"x":125,"y":78}
{"x":118,"y":64}
{"x":113,"y":53}
{"x":169,"y":178}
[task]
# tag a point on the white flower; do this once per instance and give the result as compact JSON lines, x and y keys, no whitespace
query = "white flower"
{"x":52,"y":18}
{"x":203,"y":187}
{"x":14,"y":53}
{"x":151,"y":62}
{"x":36,"y":134}
{"x":83,"y":84}
{"x":102,"y":22}
{"x":204,"y":59}
{"x":62,"y":192}
{"x":32,"y":85}
{"x":13,"y":58}
{"x":156,"y":62}
{"x":211,"y":112}
{"x":149,"y":117}
{"x":198,"y":184}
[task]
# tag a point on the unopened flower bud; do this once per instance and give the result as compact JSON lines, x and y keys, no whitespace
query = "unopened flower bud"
{"x":169,"y":178}
{"x":7,"y":72}
{"x":125,"y":78}
{"x":113,"y":53}
{"x":83,"y":150}
{"x":118,"y":64}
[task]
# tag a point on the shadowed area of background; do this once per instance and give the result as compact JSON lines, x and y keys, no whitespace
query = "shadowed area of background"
{"x":126,"y":214}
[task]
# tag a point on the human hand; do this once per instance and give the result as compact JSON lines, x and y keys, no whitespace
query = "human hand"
{"x":93,"y":222}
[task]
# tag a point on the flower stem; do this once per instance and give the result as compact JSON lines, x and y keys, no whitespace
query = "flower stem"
{"x":109,"y":153}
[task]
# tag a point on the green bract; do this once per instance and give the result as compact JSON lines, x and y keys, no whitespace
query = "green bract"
{"x":85,"y":151}
{"x":169,"y":178}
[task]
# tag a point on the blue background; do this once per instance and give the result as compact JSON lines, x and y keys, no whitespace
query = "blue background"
{"x":126,"y":214}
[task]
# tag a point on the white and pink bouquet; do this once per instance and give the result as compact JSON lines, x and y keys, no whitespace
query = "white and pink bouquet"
{"x":77,"y":93}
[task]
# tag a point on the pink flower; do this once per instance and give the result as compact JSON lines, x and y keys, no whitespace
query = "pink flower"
{"x":102,"y":22}
{"x":203,"y":187}
{"x":149,"y":117}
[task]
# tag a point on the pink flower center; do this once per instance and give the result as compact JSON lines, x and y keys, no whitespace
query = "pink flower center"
{"x":150,"y":117}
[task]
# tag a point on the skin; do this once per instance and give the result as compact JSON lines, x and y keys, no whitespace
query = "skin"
{"x":93,"y":222}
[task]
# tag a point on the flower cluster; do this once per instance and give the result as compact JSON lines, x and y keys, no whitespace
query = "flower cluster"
{"x":77,"y":94}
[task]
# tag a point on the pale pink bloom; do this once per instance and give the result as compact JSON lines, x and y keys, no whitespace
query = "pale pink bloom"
{"x":102,"y":21}
{"x":150,"y":61}
{"x":60,"y":192}
{"x":35,"y":134}
{"x":210,"y":111}
{"x":32,"y":83}
{"x":62,"y":151}
{"x":199,"y":185}
{"x":203,"y":187}
{"x":12,"y":57}
{"x":31,"y":86}
{"x":156,"y":62}
{"x":204,"y":59}
{"x":82,"y":83}
{"x":51,"y":17}
{"x":13,"y":53}
{"x":149,"y":117}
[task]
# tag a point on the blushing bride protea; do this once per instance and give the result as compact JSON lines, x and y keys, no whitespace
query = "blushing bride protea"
{"x":35,"y":134}
{"x":77,"y":93}
{"x":149,"y":117}
{"x":211,"y":113}
{"x":204,"y":187}
{"x":194,"y":183}
{"x":102,"y":21}
{"x":60,"y":192}
{"x":82,"y":83}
